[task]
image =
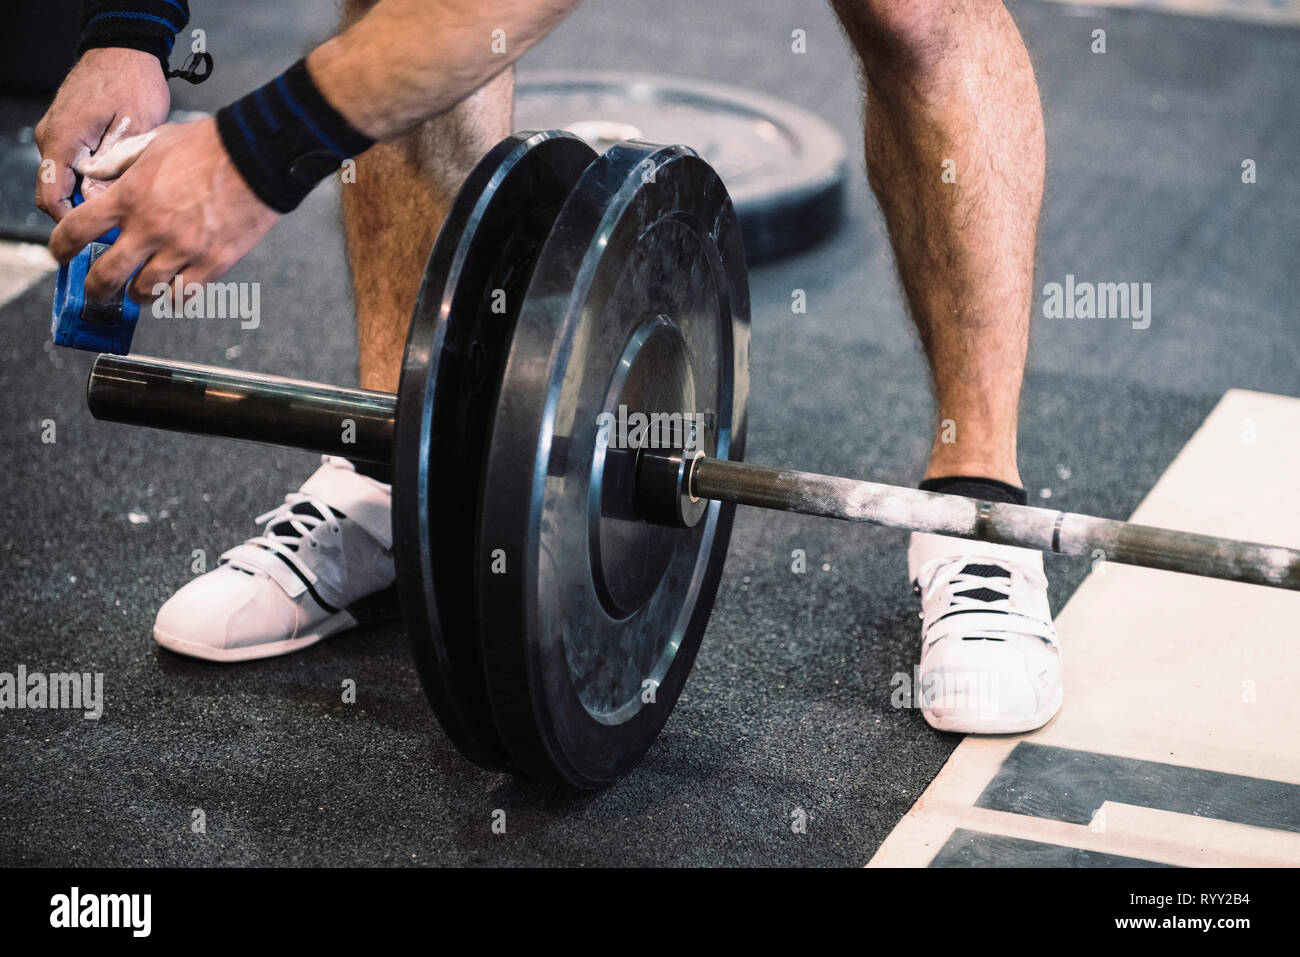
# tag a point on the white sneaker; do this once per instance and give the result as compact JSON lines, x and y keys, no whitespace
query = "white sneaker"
{"x":324,"y":549}
{"x":990,"y":661}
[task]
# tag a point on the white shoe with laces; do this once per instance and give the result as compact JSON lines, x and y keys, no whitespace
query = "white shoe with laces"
{"x":321,"y":551}
{"x":990,"y":661}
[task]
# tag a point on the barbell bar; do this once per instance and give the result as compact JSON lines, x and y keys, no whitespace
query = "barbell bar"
{"x":208,"y":400}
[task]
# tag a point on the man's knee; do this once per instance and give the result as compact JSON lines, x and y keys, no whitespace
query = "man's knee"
{"x":903,"y":34}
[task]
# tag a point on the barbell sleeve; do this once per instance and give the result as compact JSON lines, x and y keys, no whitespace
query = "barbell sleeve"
{"x":184,"y":397}
{"x":1064,"y":533}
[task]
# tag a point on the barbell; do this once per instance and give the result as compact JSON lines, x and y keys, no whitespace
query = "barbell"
{"x":556,"y":568}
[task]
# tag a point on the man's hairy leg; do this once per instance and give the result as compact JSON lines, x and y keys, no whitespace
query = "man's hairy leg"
{"x":950,"y":86}
{"x":392,"y":213}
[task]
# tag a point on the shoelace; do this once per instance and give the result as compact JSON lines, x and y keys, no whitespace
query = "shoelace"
{"x":933,"y":578}
{"x":287,"y":526}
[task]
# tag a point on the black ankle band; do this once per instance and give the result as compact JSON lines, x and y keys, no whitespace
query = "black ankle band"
{"x":973,"y":486}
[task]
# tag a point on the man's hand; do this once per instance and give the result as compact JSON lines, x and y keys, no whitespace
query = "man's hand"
{"x":182,"y":207}
{"x":110,"y":93}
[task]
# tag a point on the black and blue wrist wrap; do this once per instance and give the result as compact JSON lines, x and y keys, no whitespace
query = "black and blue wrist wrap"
{"x":285,"y":137}
{"x":146,"y":25}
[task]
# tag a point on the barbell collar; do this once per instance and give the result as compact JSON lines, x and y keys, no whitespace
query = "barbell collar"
{"x":1064,"y":533}
{"x":207,"y":400}
{"x":662,"y":493}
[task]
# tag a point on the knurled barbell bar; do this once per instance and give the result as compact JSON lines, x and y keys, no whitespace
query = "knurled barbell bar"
{"x":555,"y":584}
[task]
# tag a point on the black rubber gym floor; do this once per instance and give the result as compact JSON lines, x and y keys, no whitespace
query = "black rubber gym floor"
{"x":789,"y":706}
